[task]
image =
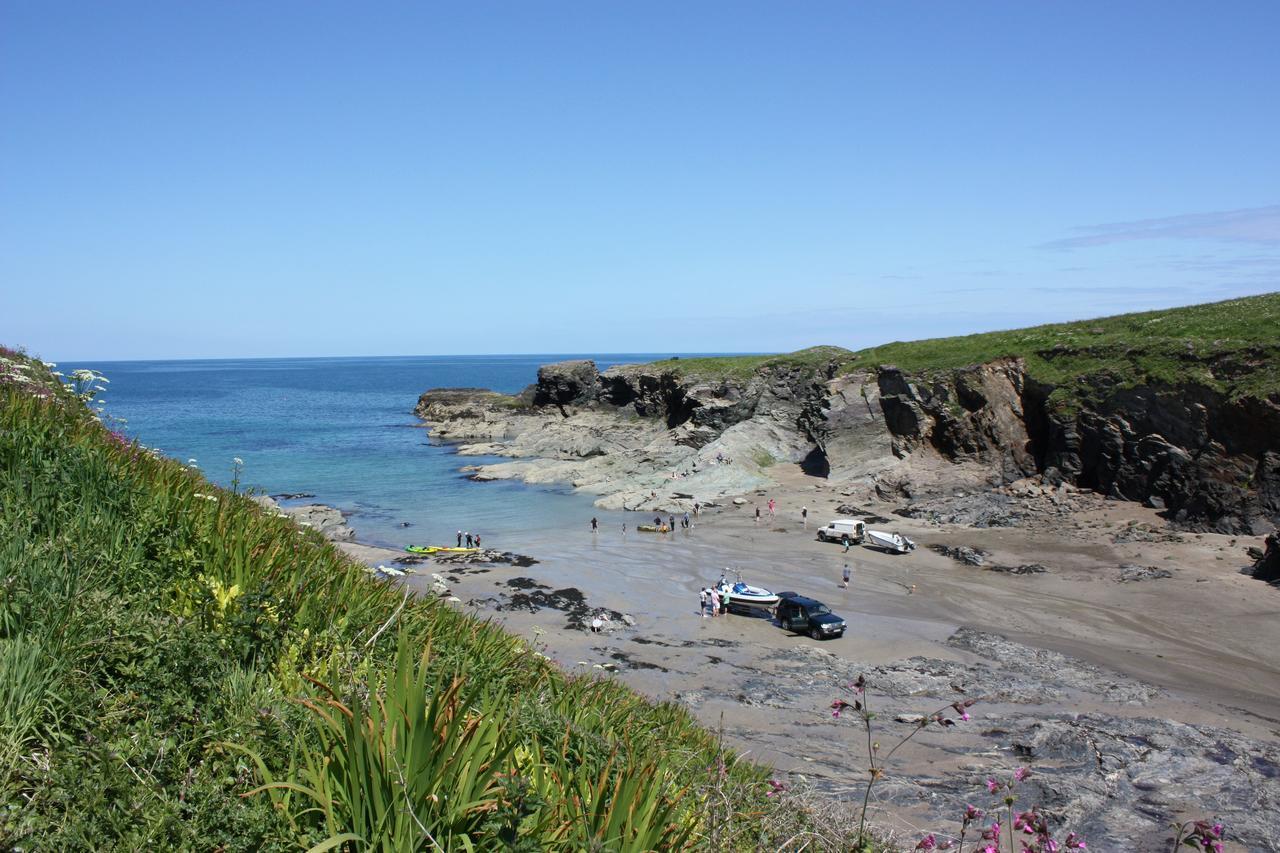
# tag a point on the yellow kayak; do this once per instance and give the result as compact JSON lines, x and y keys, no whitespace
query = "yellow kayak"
{"x":437,"y":549}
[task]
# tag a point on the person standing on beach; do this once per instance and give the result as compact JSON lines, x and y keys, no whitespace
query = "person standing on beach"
{"x":671,"y":523}
{"x":715,"y":602}
{"x":702,"y":602}
{"x":772,"y":506}
{"x":697,"y":508}
{"x":595,"y":524}
{"x":804,"y":516}
{"x":459,"y":538}
{"x":467,"y":536}
{"x":757,"y":516}
{"x":845,"y":575}
{"x":624,"y":530}
{"x":477,"y":540}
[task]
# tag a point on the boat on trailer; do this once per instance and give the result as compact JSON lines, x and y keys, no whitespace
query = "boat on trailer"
{"x":741,"y":596}
{"x":895,"y":543}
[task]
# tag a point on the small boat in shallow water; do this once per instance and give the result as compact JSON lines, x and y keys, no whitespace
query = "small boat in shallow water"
{"x":737,"y":595}
{"x":895,"y":543}
{"x":437,"y":549}
{"x":653,"y":528}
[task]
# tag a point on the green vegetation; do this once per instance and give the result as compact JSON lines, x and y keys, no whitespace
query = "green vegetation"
{"x":745,"y":366}
{"x":1231,"y":346}
{"x":764,"y":458}
{"x":180,"y":669}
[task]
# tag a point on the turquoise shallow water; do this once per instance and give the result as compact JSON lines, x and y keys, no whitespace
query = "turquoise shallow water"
{"x":342,"y":429}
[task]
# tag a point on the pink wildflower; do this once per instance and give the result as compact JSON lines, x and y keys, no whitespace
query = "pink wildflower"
{"x":1021,"y":773}
{"x":927,"y":843}
{"x":992,"y":785}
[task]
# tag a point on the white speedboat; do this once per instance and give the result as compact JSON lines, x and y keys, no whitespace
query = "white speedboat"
{"x":737,"y":595}
{"x":895,"y":543}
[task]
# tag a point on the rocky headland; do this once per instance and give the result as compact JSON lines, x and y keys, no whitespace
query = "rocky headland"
{"x":1185,"y":423}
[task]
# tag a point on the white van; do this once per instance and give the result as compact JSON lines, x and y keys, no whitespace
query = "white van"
{"x":843,"y":530}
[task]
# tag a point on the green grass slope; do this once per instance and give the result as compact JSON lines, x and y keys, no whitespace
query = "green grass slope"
{"x":182,"y":670}
{"x":1231,"y":346}
{"x":743,"y":367}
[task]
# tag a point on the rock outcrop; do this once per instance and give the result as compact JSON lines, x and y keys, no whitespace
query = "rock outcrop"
{"x":635,"y":433}
{"x":648,"y":435}
{"x":1209,"y":461}
{"x":1267,"y":568}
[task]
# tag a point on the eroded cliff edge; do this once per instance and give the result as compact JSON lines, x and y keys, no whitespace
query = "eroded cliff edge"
{"x":1188,"y":426}
{"x":660,"y":435}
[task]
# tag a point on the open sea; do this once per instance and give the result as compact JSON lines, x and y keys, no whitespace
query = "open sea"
{"x":343,"y":430}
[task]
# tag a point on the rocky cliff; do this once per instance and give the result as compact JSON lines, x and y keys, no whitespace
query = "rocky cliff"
{"x":1188,"y":425}
{"x":1210,"y":460}
{"x":657,"y":435}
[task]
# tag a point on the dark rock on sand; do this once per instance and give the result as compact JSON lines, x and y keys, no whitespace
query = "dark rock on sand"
{"x":534,"y":597}
{"x":1130,"y":573}
{"x":487,"y":555}
{"x":987,"y":509}
{"x":1024,"y":569}
{"x":962,"y":554}
{"x":1267,"y":568}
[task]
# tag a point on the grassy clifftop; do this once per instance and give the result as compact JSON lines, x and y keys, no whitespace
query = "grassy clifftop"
{"x":1229,"y":345}
{"x":1233,"y":346}
{"x":745,"y":366}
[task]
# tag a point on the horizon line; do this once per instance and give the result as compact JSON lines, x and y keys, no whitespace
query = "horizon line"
{"x":585,"y":355}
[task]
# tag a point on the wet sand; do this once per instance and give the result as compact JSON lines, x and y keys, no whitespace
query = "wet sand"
{"x":1195,"y":648}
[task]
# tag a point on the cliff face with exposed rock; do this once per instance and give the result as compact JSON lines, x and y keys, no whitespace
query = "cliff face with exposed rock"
{"x":652,"y":435}
{"x":1210,"y":461}
{"x":646,"y":436}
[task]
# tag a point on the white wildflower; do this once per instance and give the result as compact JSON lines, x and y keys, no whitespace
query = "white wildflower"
{"x":238,"y":460}
{"x":49,"y":364}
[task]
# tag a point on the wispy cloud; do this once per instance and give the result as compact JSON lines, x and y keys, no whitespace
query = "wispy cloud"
{"x":1249,"y":225}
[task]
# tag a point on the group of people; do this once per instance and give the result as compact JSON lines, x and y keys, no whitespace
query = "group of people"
{"x":710,"y":603}
{"x":773,"y":511}
{"x":685,"y":521}
{"x":472,"y":539}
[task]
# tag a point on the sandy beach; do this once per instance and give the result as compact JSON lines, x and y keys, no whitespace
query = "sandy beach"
{"x":1135,"y":697}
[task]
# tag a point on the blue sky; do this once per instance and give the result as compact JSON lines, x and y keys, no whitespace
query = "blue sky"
{"x":322,"y":178}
